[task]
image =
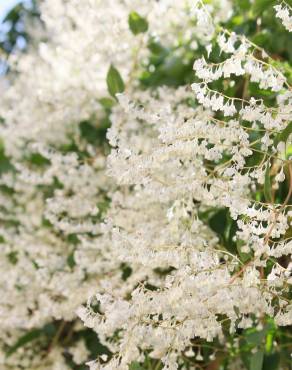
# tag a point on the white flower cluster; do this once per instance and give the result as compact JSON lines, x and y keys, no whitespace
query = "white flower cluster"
{"x":284,"y":12}
{"x":55,"y":249}
{"x":162,"y":146}
{"x":239,"y":64}
{"x":74,"y":216}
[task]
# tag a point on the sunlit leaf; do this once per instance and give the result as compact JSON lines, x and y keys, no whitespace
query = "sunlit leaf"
{"x":137,"y":23}
{"x":115,"y":83}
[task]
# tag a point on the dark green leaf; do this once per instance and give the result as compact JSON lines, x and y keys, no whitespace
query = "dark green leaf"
{"x":283,"y":136}
{"x":14,"y":14}
{"x":156,"y":48}
{"x":71,"y":261}
{"x":94,"y":133}
{"x":259,"y":6}
{"x":230,"y":242}
{"x":73,"y":239}
{"x":25,"y":339}
{"x":243,"y":4}
{"x":38,"y":160}
{"x":115,"y":83}
{"x":271,"y":362}
{"x":50,"y":330}
{"x":5,"y":164}
{"x":135,"y":366}
{"x":218,"y":222}
{"x":137,"y":23}
{"x":256,"y":360}
{"x":255,"y":337}
{"x":12,"y":257}
{"x":93,"y":344}
{"x":126,"y":271}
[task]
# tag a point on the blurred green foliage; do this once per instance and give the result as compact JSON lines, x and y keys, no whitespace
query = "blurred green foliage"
{"x":13,"y":33}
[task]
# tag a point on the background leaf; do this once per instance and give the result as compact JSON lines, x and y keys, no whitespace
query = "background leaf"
{"x":115,"y":83}
{"x":256,"y":360}
{"x":25,"y":339}
{"x":137,"y":23}
{"x":284,"y":135}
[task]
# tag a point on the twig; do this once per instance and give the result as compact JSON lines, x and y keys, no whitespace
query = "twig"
{"x":244,"y":267}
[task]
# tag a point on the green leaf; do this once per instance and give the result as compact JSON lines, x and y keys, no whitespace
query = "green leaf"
{"x":94,"y":133}
{"x":38,"y":160}
{"x":156,"y":48}
{"x":115,"y":83}
{"x":5,"y":164}
{"x":259,"y":6}
{"x":231,"y":242}
{"x":25,"y":339}
{"x":267,"y":185}
{"x":283,"y":136}
{"x":14,"y":14}
{"x":256,"y":360}
{"x":135,"y":366}
{"x":137,"y":23}
{"x":256,"y":337}
{"x":107,"y":103}
{"x":12,"y":258}
{"x":50,"y":330}
{"x":218,"y":222}
{"x":243,"y":4}
{"x":271,"y":362}
{"x":126,"y":271}
{"x":236,"y":310}
{"x":71,"y":260}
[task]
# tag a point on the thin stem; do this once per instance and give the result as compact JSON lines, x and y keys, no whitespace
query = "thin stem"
{"x":57,"y":336}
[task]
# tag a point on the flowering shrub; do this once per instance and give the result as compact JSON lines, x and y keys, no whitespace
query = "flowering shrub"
{"x":146,"y":184}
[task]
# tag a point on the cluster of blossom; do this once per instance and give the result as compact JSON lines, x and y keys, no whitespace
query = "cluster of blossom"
{"x":172,"y":156}
{"x":161,"y":145}
{"x":284,"y":12}
{"x":62,"y":90}
{"x":239,"y":64}
{"x":55,"y":251}
{"x":68,"y":224}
